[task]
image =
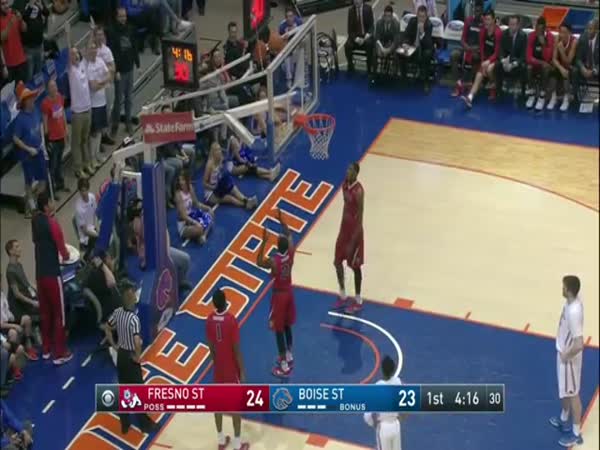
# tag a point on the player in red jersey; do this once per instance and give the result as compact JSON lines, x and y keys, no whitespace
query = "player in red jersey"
{"x":350,"y":244}
{"x":283,"y":307}
{"x":223,"y":337}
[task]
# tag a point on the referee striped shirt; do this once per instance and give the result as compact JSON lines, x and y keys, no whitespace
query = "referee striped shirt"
{"x":127,"y":324}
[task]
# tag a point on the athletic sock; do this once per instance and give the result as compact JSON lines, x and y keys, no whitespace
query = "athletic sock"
{"x":564,"y":415}
{"x":288,"y":355}
{"x":237,"y":443}
{"x":470,"y":97}
{"x":221,"y":438}
{"x":576,"y":430}
{"x":359,"y":299}
{"x":342,"y":294}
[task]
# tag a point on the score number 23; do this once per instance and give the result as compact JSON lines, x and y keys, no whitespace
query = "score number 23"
{"x":408,"y":399}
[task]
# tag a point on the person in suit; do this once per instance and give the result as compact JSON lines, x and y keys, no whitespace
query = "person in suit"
{"x":418,"y":34}
{"x":512,"y":55}
{"x":387,"y":35}
{"x":360,"y":33}
{"x":587,"y":58}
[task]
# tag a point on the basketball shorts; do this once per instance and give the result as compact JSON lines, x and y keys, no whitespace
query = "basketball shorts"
{"x":34,"y":169}
{"x":569,"y":375}
{"x":226,"y":375}
{"x":283,"y":311}
{"x":354,"y":257}
{"x":388,"y":436}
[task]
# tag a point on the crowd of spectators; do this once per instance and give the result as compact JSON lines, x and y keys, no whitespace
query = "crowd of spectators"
{"x":541,"y":66}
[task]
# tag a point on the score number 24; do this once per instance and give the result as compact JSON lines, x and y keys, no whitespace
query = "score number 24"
{"x":254,"y":399}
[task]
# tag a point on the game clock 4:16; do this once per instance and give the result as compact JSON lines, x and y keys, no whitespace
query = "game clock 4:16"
{"x":462,"y":398}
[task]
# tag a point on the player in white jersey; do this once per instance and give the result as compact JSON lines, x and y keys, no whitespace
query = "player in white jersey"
{"x":387,"y":425}
{"x":569,"y":348}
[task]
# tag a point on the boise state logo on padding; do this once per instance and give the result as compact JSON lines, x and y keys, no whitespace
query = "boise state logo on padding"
{"x":164,"y":289}
{"x":282,"y":399}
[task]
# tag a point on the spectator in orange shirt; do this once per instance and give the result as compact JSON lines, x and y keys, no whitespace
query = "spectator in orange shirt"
{"x":540,"y":47}
{"x":55,"y":131}
{"x":11,"y":27}
{"x":490,"y":39}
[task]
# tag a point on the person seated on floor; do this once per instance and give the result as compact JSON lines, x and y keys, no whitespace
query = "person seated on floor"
{"x":22,"y":297}
{"x":85,"y":218}
{"x":587,"y":58}
{"x":512,"y":55}
{"x":13,"y":357}
{"x":489,"y":48}
{"x":387,"y":34}
{"x":16,"y":333}
{"x":468,"y":53}
{"x":244,"y":162}
{"x":102,"y":282}
{"x":418,"y":34}
{"x":540,"y":48}
{"x":218,"y":182}
{"x":562,"y":60}
{"x":258,"y":122}
{"x":15,"y":435}
{"x":181,"y":260}
{"x":8,"y":363}
{"x":194,"y":219}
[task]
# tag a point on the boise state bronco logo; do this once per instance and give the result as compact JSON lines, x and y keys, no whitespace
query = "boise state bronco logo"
{"x":164,"y":289}
{"x":282,"y":399}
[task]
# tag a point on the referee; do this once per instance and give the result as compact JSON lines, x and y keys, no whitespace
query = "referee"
{"x":129,"y":349}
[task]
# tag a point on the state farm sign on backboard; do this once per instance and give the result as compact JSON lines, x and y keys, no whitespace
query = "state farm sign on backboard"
{"x":168,"y":127}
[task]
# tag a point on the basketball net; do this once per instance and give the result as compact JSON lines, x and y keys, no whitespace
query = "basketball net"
{"x":320,"y":128}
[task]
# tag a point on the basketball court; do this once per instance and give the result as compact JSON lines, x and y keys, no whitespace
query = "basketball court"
{"x":464,"y":262}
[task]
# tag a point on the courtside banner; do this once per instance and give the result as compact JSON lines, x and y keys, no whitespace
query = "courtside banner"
{"x":301,"y":398}
{"x":168,"y":127}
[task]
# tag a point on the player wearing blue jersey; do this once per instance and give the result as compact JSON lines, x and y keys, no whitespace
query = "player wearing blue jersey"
{"x":387,"y":425}
{"x":244,"y":162}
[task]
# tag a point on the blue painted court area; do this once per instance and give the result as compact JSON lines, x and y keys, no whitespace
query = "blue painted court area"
{"x":435,"y":349}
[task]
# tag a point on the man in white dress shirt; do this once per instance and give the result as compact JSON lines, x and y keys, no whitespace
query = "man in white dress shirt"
{"x":569,"y":355}
{"x":387,"y":425}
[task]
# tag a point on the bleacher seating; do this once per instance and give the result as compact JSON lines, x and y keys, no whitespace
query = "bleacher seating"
{"x":11,"y":187}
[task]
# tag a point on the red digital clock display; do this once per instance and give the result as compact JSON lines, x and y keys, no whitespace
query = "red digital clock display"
{"x":256,"y":14}
{"x":180,"y":65}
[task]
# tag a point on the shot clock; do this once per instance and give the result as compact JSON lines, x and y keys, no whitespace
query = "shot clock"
{"x":180,"y":64}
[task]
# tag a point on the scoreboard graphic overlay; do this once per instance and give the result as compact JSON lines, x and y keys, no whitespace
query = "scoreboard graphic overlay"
{"x":301,"y":398}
